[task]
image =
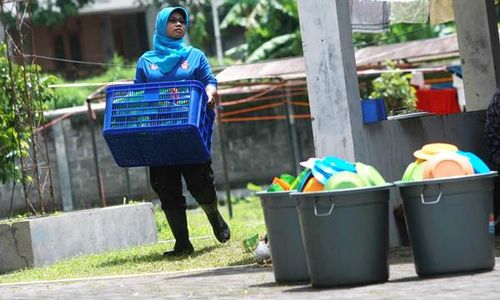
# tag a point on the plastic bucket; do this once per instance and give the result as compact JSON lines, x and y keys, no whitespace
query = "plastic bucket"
{"x":451,"y":223}
{"x":373,"y":110}
{"x":283,"y":229}
{"x":346,"y":235}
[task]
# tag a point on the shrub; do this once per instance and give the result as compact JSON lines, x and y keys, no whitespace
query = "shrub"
{"x":395,"y":88}
{"x":23,"y":97}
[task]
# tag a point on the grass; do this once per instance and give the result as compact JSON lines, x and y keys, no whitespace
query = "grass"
{"x":14,"y":219}
{"x":248,"y":220}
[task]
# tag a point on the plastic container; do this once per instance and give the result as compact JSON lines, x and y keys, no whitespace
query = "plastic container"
{"x":373,"y":110}
{"x":346,"y":235}
{"x":450,"y":223}
{"x":283,"y":229}
{"x":160,"y":123}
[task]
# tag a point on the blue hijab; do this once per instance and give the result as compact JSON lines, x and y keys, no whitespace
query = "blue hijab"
{"x":167,"y":52}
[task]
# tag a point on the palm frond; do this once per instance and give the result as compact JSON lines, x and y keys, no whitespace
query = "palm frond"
{"x":270,"y":46}
{"x":243,"y":48}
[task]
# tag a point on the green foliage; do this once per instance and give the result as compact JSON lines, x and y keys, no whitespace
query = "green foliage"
{"x":75,"y":96}
{"x":15,"y":219}
{"x":394,"y":87}
{"x":272,"y":28}
{"x":48,"y":13}
{"x":400,"y":33}
{"x":21,"y":90}
{"x":212,"y":60}
{"x":253,"y":187}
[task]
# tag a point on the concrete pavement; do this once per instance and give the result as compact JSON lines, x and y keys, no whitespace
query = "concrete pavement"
{"x":257,"y":282}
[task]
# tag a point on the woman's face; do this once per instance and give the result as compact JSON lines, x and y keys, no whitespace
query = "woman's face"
{"x":176,"y":26}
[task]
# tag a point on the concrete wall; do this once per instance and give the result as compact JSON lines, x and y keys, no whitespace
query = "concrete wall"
{"x":40,"y":241}
{"x":257,"y":151}
{"x":389,"y":145}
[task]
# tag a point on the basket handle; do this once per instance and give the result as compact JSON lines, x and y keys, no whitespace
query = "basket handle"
{"x":317,"y":214}
{"x":430,"y":202}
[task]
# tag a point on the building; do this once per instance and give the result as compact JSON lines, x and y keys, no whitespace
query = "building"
{"x":105,"y":28}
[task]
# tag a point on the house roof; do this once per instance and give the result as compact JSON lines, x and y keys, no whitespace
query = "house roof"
{"x":278,"y":68}
{"x":291,"y":68}
{"x":414,"y":51}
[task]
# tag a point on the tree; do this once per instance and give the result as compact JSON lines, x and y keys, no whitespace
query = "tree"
{"x":48,"y":13}
{"x":14,"y":133}
{"x":272,"y":28}
{"x":401,"y":32}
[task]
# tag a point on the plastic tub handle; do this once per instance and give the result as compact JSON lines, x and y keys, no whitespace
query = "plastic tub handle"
{"x":317,"y":214}
{"x":430,"y":202}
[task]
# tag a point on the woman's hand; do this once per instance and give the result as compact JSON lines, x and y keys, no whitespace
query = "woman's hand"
{"x":211,"y":91}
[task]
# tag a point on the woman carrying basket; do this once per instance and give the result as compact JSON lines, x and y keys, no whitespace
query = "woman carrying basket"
{"x":173,"y":60}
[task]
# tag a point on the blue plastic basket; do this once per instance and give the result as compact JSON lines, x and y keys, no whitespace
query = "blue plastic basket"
{"x":161,"y":123}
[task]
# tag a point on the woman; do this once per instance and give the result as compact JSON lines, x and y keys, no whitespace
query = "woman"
{"x":173,"y":60}
{"x":492,"y":129}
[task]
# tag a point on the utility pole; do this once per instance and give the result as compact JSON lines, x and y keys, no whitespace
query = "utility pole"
{"x":218,"y":42}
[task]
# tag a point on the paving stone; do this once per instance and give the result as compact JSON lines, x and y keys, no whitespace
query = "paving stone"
{"x":256,"y":282}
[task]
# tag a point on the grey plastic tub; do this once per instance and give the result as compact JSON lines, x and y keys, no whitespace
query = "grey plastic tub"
{"x":283,"y":229}
{"x":346,"y":235}
{"x":450,"y":223}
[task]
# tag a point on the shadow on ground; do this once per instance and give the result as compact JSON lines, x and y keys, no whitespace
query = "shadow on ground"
{"x":275,"y":284}
{"x":158,"y":256}
{"x":403,"y":255}
{"x":227,"y":271}
{"x":309,"y":288}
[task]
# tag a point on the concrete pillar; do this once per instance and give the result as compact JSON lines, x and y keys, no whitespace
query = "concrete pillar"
{"x":333,"y":90}
{"x":331,"y":78}
{"x":63,"y":173}
{"x":477,"y":34}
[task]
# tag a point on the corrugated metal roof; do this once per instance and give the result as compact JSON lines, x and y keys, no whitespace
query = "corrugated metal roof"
{"x":291,"y":68}
{"x":412,"y":51}
{"x":268,"y":69}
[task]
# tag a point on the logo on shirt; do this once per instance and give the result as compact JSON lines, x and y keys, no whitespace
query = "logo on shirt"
{"x":185,"y":65}
{"x":153,"y":67}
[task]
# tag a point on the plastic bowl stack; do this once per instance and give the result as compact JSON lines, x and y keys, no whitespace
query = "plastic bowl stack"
{"x":440,"y":160}
{"x":282,"y":183}
{"x":330,"y":173}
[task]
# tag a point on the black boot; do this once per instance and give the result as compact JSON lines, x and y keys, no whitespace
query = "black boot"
{"x":220,"y":227}
{"x":178,"y":224}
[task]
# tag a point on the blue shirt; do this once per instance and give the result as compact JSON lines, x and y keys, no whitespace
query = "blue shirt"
{"x":194,"y":67}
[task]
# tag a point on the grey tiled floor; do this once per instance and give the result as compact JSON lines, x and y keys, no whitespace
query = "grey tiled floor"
{"x":257,"y":282}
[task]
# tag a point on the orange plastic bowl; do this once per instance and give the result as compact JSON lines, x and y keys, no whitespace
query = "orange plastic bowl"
{"x":447,"y":164}
{"x":313,"y":185}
